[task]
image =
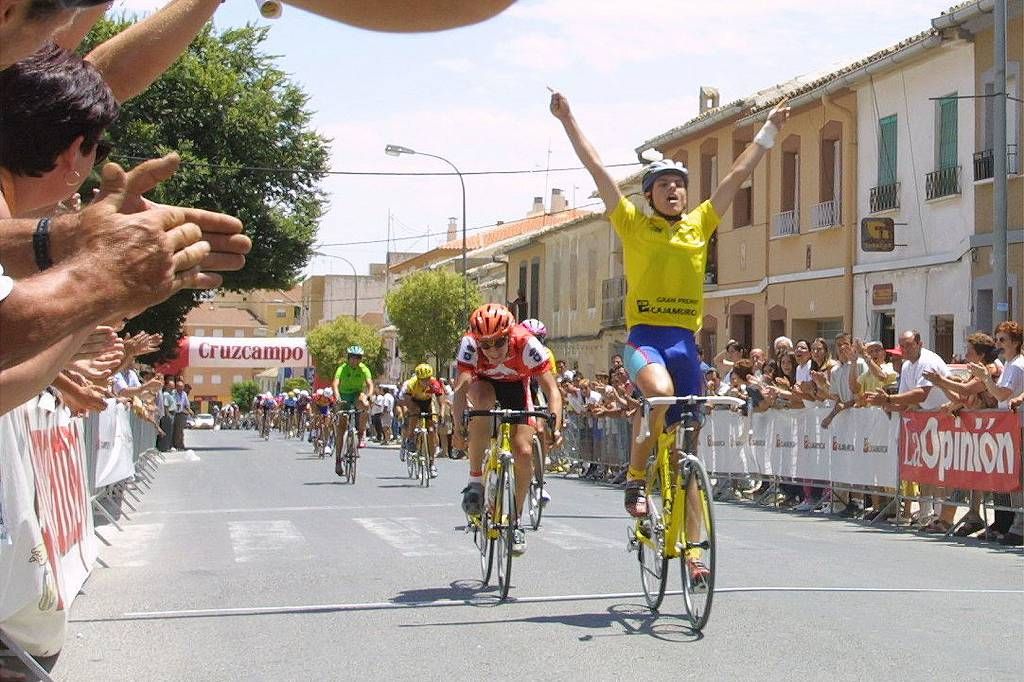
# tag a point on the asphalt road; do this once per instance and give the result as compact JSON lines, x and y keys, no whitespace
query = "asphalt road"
{"x":253,"y":561}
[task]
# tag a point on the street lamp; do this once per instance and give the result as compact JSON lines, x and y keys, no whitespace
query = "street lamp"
{"x":355,"y":281}
{"x":398,"y":150}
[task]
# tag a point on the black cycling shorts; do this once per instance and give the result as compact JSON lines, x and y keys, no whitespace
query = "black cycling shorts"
{"x":426,"y":406}
{"x":511,"y":395}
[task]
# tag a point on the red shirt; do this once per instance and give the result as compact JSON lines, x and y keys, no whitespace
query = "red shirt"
{"x":525,"y":357}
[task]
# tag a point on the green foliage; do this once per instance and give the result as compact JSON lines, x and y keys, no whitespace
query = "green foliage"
{"x":427,"y":307}
{"x":296,"y":384}
{"x":229,"y":112}
{"x":329,"y":340}
{"x":243,"y":392}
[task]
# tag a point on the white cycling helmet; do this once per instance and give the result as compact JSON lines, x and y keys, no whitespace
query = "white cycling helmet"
{"x":328,"y":392}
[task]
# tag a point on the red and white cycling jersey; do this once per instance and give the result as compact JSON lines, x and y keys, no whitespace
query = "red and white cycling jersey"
{"x":525,"y":357}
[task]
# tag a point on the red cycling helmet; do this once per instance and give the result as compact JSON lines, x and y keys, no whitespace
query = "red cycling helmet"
{"x":490,"y":320}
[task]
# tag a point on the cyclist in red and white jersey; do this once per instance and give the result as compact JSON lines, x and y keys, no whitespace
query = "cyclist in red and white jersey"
{"x":496,"y":360}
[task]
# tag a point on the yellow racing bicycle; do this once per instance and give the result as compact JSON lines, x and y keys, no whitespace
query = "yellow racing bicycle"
{"x":680,"y":520}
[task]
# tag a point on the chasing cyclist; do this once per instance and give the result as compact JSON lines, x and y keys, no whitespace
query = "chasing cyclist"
{"x":496,"y":360}
{"x":664,"y":257}
{"x":417,"y":397}
{"x":353,"y":384}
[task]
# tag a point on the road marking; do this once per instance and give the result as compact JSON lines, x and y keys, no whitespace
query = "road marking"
{"x":566,"y":537}
{"x":133,"y":545}
{"x":259,"y":540}
{"x":486,"y":601}
{"x":251,"y":510}
{"x":413,"y":537}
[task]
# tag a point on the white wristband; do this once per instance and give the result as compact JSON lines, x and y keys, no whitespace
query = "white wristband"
{"x":766,"y":136}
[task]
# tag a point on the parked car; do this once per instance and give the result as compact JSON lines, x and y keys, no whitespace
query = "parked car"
{"x":203,"y":421}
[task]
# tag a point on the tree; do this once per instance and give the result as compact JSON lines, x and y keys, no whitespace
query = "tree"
{"x":427,"y":308}
{"x":296,"y":384}
{"x":328,"y":342}
{"x":242,"y":129}
{"x":243,"y":392}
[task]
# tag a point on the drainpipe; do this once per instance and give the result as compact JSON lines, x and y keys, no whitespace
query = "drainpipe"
{"x":848,"y":189}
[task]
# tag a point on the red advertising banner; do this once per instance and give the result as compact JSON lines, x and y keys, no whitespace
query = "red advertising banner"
{"x":975,"y":451}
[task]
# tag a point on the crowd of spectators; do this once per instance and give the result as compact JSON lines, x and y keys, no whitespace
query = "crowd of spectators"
{"x":848,"y":373}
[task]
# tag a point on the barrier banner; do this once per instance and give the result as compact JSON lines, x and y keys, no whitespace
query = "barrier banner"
{"x":224,"y":351}
{"x":975,"y":451}
{"x":862,"y":447}
{"x":723,"y":444}
{"x":813,"y":443}
{"x":784,"y":446}
{"x":114,"y":449}
{"x":46,"y":512}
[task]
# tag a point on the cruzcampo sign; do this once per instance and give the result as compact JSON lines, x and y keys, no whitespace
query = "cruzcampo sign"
{"x":877,"y":234}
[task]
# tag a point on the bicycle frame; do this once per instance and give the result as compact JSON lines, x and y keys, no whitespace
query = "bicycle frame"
{"x":672,"y":473}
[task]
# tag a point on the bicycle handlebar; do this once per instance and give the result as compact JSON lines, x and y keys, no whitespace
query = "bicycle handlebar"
{"x":648,"y":403}
{"x":505,"y":415}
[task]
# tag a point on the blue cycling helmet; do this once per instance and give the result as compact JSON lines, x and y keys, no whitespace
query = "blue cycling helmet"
{"x":663,"y":167}
{"x":355,"y":350}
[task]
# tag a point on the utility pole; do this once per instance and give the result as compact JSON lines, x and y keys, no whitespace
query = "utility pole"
{"x":999,"y":246}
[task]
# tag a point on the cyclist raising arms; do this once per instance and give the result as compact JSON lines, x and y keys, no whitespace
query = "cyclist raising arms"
{"x":417,"y":396}
{"x":496,"y":360}
{"x":353,"y":383}
{"x":664,"y":257}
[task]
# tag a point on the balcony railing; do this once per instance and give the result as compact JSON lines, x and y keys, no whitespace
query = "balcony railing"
{"x":826,"y":214}
{"x":984,"y":163}
{"x":786,"y":223}
{"x":613,"y":301}
{"x":885,"y":197}
{"x":942,"y":183}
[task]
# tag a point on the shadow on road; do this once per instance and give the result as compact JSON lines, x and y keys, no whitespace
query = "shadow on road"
{"x":228,"y":448}
{"x":325,"y":483}
{"x":618,"y":619}
{"x":457,"y":590}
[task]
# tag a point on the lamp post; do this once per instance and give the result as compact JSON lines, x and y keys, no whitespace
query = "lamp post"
{"x":355,"y":281}
{"x":398,"y":150}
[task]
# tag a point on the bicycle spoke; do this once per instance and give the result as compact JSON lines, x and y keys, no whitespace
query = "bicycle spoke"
{"x":698,"y":591}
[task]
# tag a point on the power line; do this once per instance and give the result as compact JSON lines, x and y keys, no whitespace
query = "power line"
{"x":435,"y":234}
{"x":269,"y":169}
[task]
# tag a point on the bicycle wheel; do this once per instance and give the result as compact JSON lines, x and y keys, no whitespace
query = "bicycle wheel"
{"x":486,"y":539}
{"x":534,"y":500}
{"x":351,"y":455}
{"x":698,"y":595}
{"x":423,"y":458}
{"x":339,"y":452}
{"x":651,"y":552}
{"x":507,"y":516}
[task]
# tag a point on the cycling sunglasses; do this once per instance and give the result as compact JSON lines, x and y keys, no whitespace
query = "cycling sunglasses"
{"x":496,"y":343}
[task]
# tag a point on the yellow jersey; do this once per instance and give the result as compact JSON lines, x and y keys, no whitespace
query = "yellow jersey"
{"x":664,"y":264}
{"x":422,"y":391}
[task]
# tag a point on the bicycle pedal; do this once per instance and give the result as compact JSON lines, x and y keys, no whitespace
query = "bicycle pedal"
{"x":631,"y":542}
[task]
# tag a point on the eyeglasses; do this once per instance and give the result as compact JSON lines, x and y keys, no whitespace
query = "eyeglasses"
{"x":496,"y":343}
{"x":355,"y":357}
{"x":1002,"y":339}
{"x":103,"y":149}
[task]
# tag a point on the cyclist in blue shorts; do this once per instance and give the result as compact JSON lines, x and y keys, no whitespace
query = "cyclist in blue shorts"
{"x":664,"y":256}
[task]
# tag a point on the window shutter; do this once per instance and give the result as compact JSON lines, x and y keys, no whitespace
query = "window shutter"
{"x":887,"y":150}
{"x":947,"y":133}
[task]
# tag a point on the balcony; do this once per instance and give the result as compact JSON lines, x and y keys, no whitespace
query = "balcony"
{"x":984,"y":163}
{"x":826,"y":214}
{"x":942,"y":183}
{"x":786,"y":223}
{"x":613,"y":301}
{"x":885,"y":197}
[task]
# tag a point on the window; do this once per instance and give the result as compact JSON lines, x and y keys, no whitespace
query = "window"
{"x":591,"y":277}
{"x":199,"y":331}
{"x":218,"y":332}
{"x":790,"y":180}
{"x":887,"y":150}
{"x":280,"y":312}
{"x":573,"y":280}
{"x":237,"y":379}
{"x":535,"y":287}
{"x":829,"y":329}
{"x":885,"y":327}
{"x":556,"y":282}
{"x":214,"y":378}
{"x":522,"y":278}
{"x":708,"y":175}
{"x":239,"y":332}
{"x":946,"y":139}
{"x":197,"y":379}
{"x":942,"y":336}
{"x":742,"y":204}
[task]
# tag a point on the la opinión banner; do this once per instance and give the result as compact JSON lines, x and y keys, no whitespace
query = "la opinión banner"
{"x":976,"y":451}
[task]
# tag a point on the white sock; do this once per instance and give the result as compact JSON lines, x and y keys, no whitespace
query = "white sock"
{"x":476,"y":479}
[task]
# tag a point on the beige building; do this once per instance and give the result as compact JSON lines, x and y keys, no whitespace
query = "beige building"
{"x":210,"y":384}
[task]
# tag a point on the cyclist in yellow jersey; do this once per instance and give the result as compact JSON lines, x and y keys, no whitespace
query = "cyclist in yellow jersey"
{"x":664,"y":257}
{"x":417,"y":396}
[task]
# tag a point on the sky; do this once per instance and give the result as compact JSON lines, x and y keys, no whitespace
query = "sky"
{"x":478,"y":96}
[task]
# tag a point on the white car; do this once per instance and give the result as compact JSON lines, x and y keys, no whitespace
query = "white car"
{"x":203,"y":421}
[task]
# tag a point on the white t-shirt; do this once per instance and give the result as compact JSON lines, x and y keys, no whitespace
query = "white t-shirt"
{"x":912,"y":376}
{"x":1012,"y":378}
{"x":840,"y":378}
{"x":388,"y":403}
{"x":803,"y":373}
{"x":378,"y":405}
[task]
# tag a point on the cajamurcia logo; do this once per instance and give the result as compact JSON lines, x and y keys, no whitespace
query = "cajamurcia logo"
{"x":871,"y":447}
{"x":839,"y":446}
{"x":813,"y":444}
{"x":779,"y":443}
{"x":667,"y":305}
{"x":714,"y":443}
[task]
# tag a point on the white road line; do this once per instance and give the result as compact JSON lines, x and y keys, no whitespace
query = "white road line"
{"x":260,"y":540}
{"x":440,"y":603}
{"x":251,"y":510}
{"x":413,"y":537}
{"x":566,"y":537}
{"x":133,"y":545}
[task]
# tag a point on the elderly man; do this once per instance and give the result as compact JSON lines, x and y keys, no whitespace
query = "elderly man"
{"x":782,"y":345}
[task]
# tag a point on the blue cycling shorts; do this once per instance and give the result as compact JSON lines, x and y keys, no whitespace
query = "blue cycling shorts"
{"x":672,"y":347}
